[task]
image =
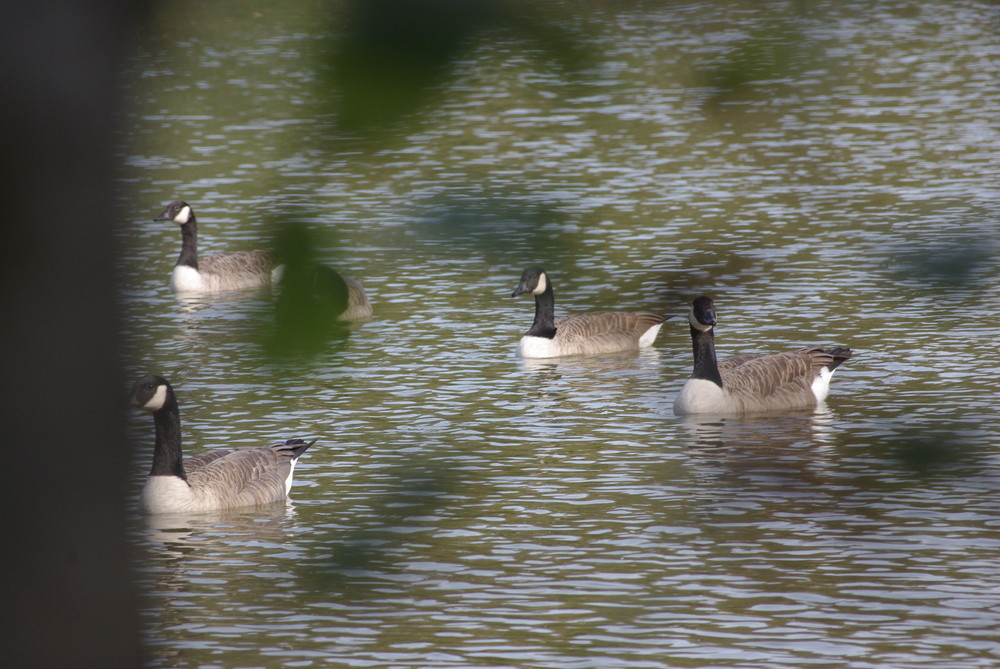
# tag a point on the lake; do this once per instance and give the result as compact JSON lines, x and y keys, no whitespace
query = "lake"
{"x":829,"y":178}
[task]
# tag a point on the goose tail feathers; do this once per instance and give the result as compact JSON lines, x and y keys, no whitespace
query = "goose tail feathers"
{"x":294,"y":446}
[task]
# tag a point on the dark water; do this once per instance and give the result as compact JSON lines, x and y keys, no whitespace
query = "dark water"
{"x":466,"y":508}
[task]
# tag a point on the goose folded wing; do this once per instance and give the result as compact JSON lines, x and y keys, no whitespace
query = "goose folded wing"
{"x":254,"y":475}
{"x":776,"y":374}
{"x":195,"y":462}
{"x":237,"y":262}
{"x":597,"y":323}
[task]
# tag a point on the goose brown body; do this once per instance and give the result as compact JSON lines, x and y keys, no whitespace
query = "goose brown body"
{"x":233,"y":270}
{"x":755,"y":382}
{"x":359,"y":308}
{"x":603,"y":331}
{"x":343,"y":296}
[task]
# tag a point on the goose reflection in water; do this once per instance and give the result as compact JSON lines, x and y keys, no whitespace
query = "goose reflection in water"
{"x":794,"y":449}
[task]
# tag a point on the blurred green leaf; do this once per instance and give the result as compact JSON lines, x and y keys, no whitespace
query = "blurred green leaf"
{"x":940,"y":448}
{"x":415,"y":490}
{"x":949,"y":264}
{"x":386,"y":57}
{"x":773,"y":53}
{"x":311,"y":298}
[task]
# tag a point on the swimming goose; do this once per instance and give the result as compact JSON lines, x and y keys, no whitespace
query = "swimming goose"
{"x":322,"y":296}
{"x":342,"y":294}
{"x":587,"y":333}
{"x":217,"y":273}
{"x":222,"y":479}
{"x":756,"y":382}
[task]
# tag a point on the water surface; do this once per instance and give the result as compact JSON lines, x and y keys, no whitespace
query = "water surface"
{"x":463,"y":507}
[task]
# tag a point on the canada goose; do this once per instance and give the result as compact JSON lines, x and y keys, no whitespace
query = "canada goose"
{"x":316,"y":307}
{"x":322,"y":296}
{"x":345,"y":296}
{"x":220,"y":272}
{"x":222,"y":479}
{"x":586,"y":333}
{"x":756,"y":382}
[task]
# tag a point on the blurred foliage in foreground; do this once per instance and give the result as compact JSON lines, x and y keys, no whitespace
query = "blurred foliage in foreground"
{"x":386,"y":58}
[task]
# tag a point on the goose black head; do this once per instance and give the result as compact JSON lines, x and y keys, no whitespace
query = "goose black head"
{"x":533,"y":280}
{"x":177,"y":211}
{"x":702,"y":313}
{"x":151,"y":392}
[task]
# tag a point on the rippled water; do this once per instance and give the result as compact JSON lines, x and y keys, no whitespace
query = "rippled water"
{"x":466,"y":508}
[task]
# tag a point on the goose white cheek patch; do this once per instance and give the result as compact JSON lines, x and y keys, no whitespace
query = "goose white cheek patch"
{"x":157,"y":401}
{"x":183,"y":216}
{"x":696,"y":324}
{"x":543,"y":283}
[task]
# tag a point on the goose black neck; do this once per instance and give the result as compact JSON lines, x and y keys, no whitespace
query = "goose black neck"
{"x":167,"y":459}
{"x":545,"y":314}
{"x":705,"y":364}
{"x":189,"y":244}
